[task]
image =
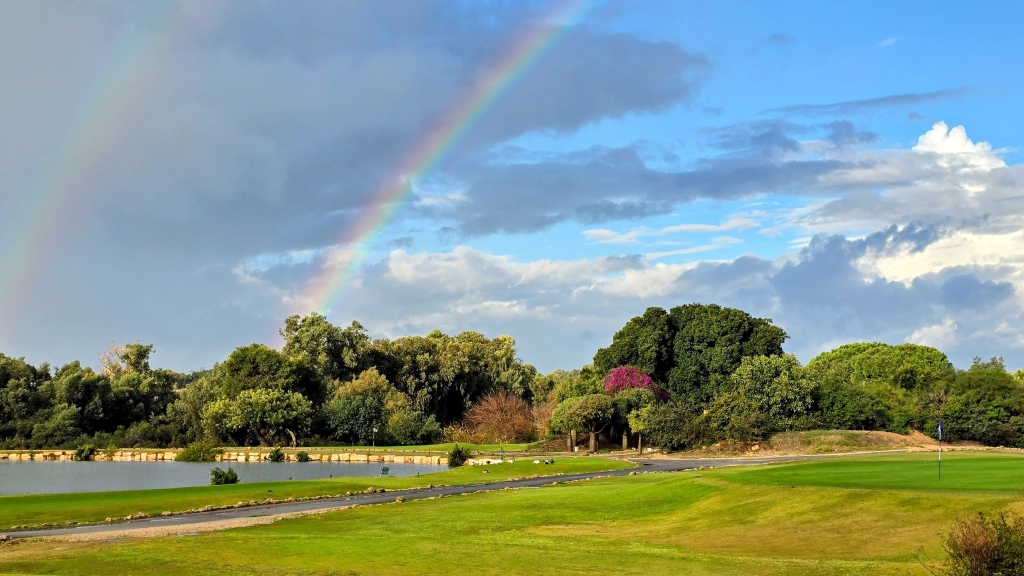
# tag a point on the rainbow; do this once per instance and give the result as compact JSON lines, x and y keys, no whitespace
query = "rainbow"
{"x":342,"y":261}
{"x":108,"y":110}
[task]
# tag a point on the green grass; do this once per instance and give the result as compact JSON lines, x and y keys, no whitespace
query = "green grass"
{"x":960,"y":471}
{"x":723,"y":521}
{"x":439,"y":448}
{"x":96,"y":506}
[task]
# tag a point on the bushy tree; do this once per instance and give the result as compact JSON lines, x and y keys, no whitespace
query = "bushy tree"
{"x":371,"y":402}
{"x":578,"y":383}
{"x":592,"y":413}
{"x":908,"y":366}
{"x":692,"y":348}
{"x":709,"y":345}
{"x":777,"y":388}
{"x":258,"y":416}
{"x":645,"y":342}
{"x":338,"y":354}
{"x":500,"y":417}
{"x":352,"y":419}
{"x":443,"y":375}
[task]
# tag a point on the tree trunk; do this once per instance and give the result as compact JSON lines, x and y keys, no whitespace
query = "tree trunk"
{"x":568,"y":442}
{"x":625,"y":441}
{"x":572,"y":436}
{"x":593,"y":442}
{"x":640,"y":444}
{"x":292,"y":434}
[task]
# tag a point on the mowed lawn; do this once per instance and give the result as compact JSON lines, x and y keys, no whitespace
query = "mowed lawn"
{"x":96,"y":506}
{"x":864,"y":515}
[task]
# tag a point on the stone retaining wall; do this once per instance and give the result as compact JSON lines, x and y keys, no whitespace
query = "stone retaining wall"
{"x":227,"y":456}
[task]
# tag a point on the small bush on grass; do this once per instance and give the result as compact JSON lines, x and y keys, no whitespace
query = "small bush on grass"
{"x":219,"y":477}
{"x":457,"y":457}
{"x":276,"y":455}
{"x":84,"y":451}
{"x":198,"y":452}
{"x":302,"y":457}
{"x":985,"y":546}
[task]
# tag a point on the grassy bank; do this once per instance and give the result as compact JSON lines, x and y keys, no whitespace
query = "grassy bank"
{"x":806,"y":518}
{"x":427,"y":448}
{"x":96,"y":506}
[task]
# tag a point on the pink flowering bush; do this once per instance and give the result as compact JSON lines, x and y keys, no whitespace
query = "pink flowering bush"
{"x":626,"y":377}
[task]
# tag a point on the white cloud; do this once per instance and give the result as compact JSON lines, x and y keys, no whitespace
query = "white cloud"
{"x":955,"y":150}
{"x":888,"y":42}
{"x":632,"y":236}
{"x":716,"y":243}
{"x":938,"y":336}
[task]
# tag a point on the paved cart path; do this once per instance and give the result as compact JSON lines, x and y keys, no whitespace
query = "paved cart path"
{"x":266,"y":513}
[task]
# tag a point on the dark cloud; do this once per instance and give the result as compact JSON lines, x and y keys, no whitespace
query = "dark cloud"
{"x":967,"y":291}
{"x":609,"y":184}
{"x":844,"y":133}
{"x":251,"y":130}
{"x":869,"y":104}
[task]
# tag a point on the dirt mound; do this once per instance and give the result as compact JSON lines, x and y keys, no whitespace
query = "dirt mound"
{"x":831,"y":441}
{"x":819,"y":442}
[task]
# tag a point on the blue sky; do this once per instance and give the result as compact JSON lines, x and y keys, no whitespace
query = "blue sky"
{"x":851,"y":170}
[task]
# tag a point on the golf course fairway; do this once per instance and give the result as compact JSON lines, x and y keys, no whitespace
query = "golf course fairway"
{"x":880,"y":514}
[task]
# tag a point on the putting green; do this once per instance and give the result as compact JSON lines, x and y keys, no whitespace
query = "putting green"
{"x":971,"y":471}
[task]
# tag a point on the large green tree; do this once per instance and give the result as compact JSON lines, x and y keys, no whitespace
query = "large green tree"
{"x":691,"y":349}
{"x":443,"y":375}
{"x":259,"y":416}
{"x":908,"y":366}
{"x":339,"y":354}
{"x":260,"y":367}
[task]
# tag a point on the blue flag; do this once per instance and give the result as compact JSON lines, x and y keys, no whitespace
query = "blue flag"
{"x":940,"y":430}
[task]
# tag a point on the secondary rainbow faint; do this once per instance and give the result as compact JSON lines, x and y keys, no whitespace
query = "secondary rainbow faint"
{"x":34,"y":229}
{"x":342,"y":262}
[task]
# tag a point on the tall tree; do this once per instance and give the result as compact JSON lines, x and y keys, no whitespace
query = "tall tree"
{"x":691,"y":349}
{"x":339,"y":354}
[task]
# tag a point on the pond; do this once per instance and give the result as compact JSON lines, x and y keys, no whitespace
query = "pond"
{"x":39,"y":477}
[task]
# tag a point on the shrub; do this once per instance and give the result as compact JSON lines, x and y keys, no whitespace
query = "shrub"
{"x":276,"y":455}
{"x":302,"y":457}
{"x":84,"y":451}
{"x":669,"y":427}
{"x":501,"y":418}
{"x":198,"y":452}
{"x":219,"y":477}
{"x":458,"y":456}
{"x":984,"y":546}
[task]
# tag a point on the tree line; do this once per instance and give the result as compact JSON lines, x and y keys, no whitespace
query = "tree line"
{"x":723,"y":376}
{"x":327,"y":385}
{"x":683,"y":378}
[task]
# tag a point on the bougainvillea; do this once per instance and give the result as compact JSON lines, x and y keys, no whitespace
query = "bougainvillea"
{"x":626,"y":377}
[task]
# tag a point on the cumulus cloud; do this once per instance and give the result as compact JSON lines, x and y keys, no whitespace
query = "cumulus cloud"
{"x":829,"y":293}
{"x":937,"y":335}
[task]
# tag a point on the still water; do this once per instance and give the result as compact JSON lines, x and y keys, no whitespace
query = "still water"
{"x":39,"y":477}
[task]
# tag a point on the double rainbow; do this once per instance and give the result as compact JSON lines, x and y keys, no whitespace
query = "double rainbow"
{"x":108,"y":110}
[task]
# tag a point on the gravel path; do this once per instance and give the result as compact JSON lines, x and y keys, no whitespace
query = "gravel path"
{"x":268,"y":513}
